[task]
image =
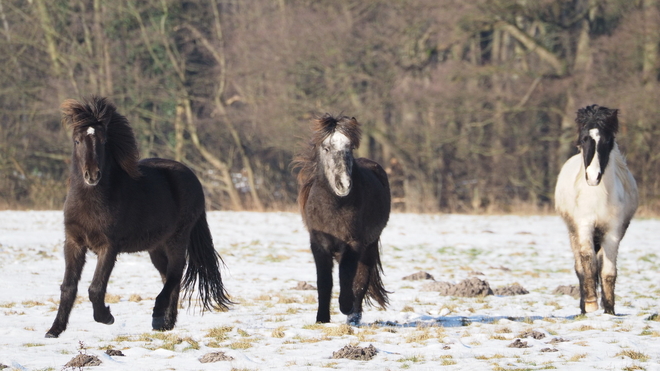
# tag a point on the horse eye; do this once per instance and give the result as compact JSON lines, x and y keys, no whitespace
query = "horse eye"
{"x":76,"y":142}
{"x":326,"y":149}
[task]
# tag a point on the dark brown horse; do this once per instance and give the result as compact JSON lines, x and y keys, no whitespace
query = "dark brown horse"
{"x":116,"y":204}
{"x":345,"y":204}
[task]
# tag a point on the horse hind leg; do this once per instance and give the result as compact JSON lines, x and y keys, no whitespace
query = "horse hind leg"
{"x":170,"y":267}
{"x":367,"y":283}
{"x":607,"y":257}
{"x":348,"y":266}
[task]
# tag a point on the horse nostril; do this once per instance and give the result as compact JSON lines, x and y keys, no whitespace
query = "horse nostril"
{"x":86,"y":175}
{"x":98,"y":174}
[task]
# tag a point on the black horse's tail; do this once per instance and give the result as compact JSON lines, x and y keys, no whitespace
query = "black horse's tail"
{"x":376,"y":290}
{"x":204,"y":269}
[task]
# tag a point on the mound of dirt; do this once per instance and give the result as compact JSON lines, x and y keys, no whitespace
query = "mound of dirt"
{"x":468,"y":288}
{"x":114,"y":353}
{"x":418,"y":276}
{"x":557,"y":340}
{"x":3,"y":366}
{"x":441,"y":287}
{"x":518,"y":344}
{"x":510,"y":290}
{"x":549,"y":350}
{"x":215,"y":357}
{"x":303,"y":285}
{"x":356,"y":353}
{"x":532,"y":334}
{"x":83,"y":360}
{"x":571,"y":290}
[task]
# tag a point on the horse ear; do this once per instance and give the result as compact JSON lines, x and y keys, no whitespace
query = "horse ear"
{"x":584,"y":114}
{"x":103,"y":110}
{"x":355,"y":132}
{"x":69,"y":108}
{"x":612,"y":120}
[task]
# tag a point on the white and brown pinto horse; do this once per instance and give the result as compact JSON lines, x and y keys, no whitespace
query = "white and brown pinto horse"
{"x":596,"y":195}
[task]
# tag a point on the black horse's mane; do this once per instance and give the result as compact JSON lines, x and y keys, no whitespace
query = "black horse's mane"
{"x":307,"y":159}
{"x":600,"y":117}
{"x":95,"y":111}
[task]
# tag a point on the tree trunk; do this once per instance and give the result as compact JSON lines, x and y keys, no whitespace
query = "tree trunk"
{"x":220,"y":165}
{"x":49,"y":35}
{"x":581,"y":71}
{"x":651,"y":40}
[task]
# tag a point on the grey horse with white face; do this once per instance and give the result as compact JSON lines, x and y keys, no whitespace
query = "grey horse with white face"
{"x":345,"y":204}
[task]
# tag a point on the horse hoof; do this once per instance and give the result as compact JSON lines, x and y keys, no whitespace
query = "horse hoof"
{"x":320,"y":318}
{"x":106,"y":321}
{"x":158,"y":323}
{"x":590,"y":306}
{"x":354,"y":319}
{"x":51,"y":336}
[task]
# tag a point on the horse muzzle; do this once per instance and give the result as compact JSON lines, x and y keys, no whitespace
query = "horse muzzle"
{"x":594,"y":179}
{"x":92,"y":178}
{"x":342,"y":187}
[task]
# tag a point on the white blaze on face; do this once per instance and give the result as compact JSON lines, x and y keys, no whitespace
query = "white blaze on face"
{"x":593,"y":170}
{"x":90,"y":131}
{"x":333,"y":152}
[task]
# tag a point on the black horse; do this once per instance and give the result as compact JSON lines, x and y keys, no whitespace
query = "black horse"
{"x":345,"y":204}
{"x":117,"y":204}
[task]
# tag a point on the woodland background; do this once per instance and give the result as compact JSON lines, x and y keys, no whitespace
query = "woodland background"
{"x":470,"y":105}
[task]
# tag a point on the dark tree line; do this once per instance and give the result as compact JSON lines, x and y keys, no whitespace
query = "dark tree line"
{"x":469,"y":105}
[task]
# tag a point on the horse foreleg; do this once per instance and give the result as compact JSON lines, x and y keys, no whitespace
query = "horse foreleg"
{"x":74,"y":258}
{"x":104,"y":265}
{"x":348,"y":266}
{"x":607,"y":263}
{"x":587,"y":272}
{"x":323,"y":260}
{"x":166,"y":306}
{"x":361,"y":281}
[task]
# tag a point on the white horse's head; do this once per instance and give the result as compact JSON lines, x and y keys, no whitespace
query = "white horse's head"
{"x":336,"y":155}
{"x":334,"y":140}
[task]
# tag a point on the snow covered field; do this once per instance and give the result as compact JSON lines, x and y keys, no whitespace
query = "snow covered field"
{"x":272,"y":326}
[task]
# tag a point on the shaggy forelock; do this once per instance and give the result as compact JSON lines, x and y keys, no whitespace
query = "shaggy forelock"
{"x":595,"y":116}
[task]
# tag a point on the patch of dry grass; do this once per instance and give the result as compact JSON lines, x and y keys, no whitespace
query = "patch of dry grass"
{"x":421,"y":335}
{"x":219,"y":333}
{"x":577,"y":357}
{"x":244,"y":343}
{"x":338,"y":330}
{"x":302,"y":339}
{"x":278,"y":332}
{"x":283,"y":299}
{"x":135,"y":298}
{"x":633,"y":354}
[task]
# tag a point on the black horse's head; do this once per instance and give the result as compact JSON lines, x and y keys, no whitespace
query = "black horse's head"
{"x":335,"y":150}
{"x":89,"y":149}
{"x":597,"y":127}
{"x":99,"y":133}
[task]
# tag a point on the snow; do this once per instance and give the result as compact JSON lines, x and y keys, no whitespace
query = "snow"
{"x":272,"y":325}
